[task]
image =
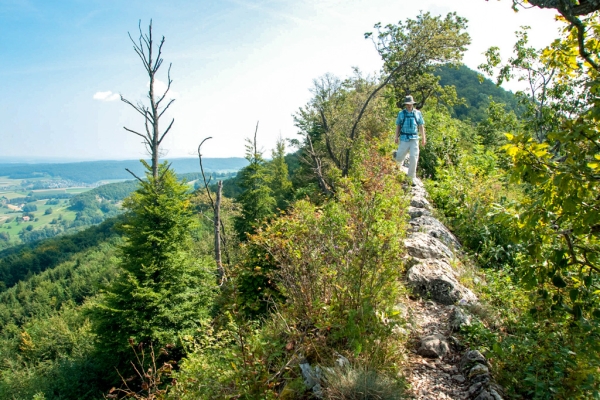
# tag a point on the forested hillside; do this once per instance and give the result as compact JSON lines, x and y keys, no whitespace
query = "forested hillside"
{"x":95,"y":171}
{"x":289,"y":282}
{"x":20,"y":262}
{"x":476,"y":94}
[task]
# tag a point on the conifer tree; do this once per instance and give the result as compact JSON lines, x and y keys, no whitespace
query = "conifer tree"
{"x":256,"y":200}
{"x":163,"y":292}
{"x":280,"y":180}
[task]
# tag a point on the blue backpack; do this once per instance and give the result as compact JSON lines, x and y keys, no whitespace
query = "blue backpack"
{"x":412,"y":118}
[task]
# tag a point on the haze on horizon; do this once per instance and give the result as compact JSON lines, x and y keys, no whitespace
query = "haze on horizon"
{"x":235,"y":62}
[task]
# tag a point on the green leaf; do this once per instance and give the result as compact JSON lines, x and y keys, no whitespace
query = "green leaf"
{"x":573,"y":294}
{"x":533,"y":311}
{"x":577,"y":311}
{"x":497,"y":349}
{"x":559,"y":282}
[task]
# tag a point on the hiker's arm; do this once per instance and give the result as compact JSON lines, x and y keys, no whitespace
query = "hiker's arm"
{"x":422,"y":132}
{"x":397,"y":134}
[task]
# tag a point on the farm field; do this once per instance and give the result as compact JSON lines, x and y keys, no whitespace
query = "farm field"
{"x":40,"y":213}
{"x":58,"y":211}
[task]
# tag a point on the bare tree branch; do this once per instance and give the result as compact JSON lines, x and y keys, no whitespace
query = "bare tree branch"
{"x":132,"y":131}
{"x":325,"y":187}
{"x":166,"y":131}
{"x":134,"y":175}
{"x":165,"y":109}
{"x":212,"y":203}
{"x":169,"y":81}
{"x":362,"y":111}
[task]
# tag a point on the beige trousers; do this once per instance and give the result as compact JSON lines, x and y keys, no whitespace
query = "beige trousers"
{"x":411,"y":147}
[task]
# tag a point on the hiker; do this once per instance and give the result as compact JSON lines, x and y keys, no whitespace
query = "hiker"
{"x":409,"y":124}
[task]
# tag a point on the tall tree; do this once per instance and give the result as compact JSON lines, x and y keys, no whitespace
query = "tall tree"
{"x":280,"y":180}
{"x":559,"y":220}
{"x":341,"y":111}
{"x":412,"y":50}
{"x":256,"y":200}
{"x":152,"y":113}
{"x":163,"y":292}
{"x":328,"y":119}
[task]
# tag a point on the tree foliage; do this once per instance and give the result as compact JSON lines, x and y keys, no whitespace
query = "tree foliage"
{"x":162,"y":292}
{"x":412,"y":50}
{"x":581,"y":16}
{"x":280,"y":178}
{"x":19,"y":262}
{"x":557,"y":155}
{"x":256,"y":200}
{"x":327,"y":122}
{"x":474,"y":95}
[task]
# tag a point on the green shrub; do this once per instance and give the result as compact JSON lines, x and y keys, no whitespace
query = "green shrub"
{"x":472,"y":196}
{"x":236,"y":361}
{"x":339,"y":265}
{"x":535,"y":355}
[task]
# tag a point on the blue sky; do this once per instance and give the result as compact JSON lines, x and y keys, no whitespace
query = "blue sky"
{"x":234,"y":62}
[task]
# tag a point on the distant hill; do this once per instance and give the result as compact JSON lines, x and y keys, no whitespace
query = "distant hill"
{"x":94,"y":171}
{"x":475,"y":93}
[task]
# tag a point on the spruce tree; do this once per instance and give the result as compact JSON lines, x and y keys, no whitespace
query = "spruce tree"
{"x":280,"y":180}
{"x":256,"y":201}
{"x":162,"y":292}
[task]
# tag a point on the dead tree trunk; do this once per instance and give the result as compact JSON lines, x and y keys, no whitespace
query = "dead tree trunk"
{"x":217,"y":212}
{"x":218,"y":225}
{"x":144,"y":47}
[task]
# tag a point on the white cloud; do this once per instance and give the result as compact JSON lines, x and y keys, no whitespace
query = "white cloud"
{"x":160,"y":88}
{"x":106,"y":96}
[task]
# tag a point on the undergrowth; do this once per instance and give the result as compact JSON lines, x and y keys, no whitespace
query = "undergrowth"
{"x":537,"y":350}
{"x":331,"y":274}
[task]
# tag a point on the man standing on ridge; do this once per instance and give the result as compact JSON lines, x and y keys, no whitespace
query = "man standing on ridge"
{"x":409,"y":124}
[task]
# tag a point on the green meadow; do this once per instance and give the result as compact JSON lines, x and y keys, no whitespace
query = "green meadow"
{"x":11,"y":215}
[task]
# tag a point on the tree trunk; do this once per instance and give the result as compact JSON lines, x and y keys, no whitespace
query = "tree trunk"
{"x":220,"y":270}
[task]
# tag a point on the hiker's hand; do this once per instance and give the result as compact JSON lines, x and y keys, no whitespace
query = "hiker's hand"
{"x":424,"y":142}
{"x":396,"y":140}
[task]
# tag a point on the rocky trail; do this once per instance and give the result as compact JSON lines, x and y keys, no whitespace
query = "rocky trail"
{"x":439,"y":367}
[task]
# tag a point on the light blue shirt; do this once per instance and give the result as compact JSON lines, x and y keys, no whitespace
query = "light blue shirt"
{"x":409,"y":122}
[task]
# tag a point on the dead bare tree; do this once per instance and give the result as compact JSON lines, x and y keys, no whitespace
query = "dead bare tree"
{"x":217,"y":219}
{"x":218,"y":225}
{"x":144,"y":48}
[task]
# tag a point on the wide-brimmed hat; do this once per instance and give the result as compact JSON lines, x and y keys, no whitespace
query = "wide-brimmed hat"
{"x":409,"y":100}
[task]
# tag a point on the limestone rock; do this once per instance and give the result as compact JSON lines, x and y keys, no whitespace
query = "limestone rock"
{"x":419,"y":201}
{"x":484,"y":395}
{"x":459,"y":318}
{"x":488,"y":394}
{"x":341,"y":361}
{"x":312,"y":378}
{"x":423,"y":246}
{"x":434,"y":346}
{"x":432,"y":278}
{"x":415,"y":212}
{"x":475,"y":389}
{"x":479,"y":369}
{"x":470,"y":359}
{"x":431,"y":226}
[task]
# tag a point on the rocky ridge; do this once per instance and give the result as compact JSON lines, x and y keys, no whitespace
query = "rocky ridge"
{"x":439,"y":366}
